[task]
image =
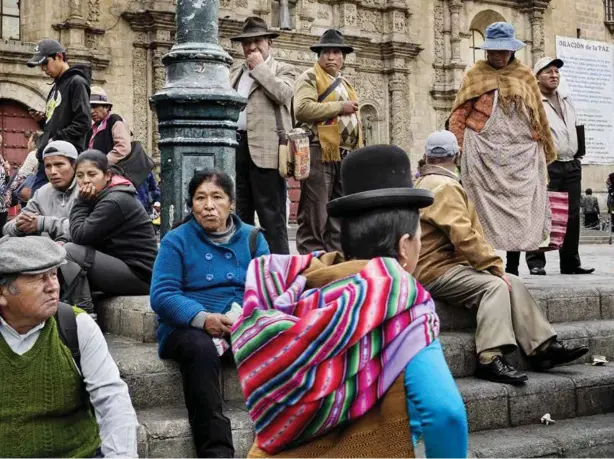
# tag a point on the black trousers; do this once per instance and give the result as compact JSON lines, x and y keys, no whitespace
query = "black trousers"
{"x":4,"y":216}
{"x":564,"y":176}
{"x":591,"y":221}
{"x":200,"y":369}
{"x":263,"y":191}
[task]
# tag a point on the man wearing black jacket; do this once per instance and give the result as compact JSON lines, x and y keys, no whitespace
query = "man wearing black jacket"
{"x":67,"y":113}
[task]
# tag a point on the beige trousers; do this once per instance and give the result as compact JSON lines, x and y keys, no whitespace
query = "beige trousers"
{"x":504,"y":318}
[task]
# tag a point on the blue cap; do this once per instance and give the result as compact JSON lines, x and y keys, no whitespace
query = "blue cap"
{"x":441,"y":144}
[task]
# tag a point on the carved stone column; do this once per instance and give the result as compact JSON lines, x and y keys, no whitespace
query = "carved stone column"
{"x":399,"y":128}
{"x":455,"y":39}
{"x":348,"y":18}
{"x":537,"y":34}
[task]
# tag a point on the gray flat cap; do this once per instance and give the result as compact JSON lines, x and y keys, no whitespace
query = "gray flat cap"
{"x":29,"y":255}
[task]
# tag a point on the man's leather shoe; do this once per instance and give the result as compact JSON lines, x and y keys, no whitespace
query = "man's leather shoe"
{"x":579,"y":270}
{"x":557,"y":353}
{"x":499,"y":370}
{"x":538,"y":271}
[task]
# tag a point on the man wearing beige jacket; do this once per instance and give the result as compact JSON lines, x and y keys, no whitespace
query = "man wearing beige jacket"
{"x":458,"y":266}
{"x":268,"y":86}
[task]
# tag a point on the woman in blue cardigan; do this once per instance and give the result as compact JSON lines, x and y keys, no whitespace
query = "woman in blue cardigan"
{"x":198,"y":274}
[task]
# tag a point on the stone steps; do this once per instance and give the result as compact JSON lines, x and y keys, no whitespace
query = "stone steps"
{"x":591,"y":436}
{"x":165,"y":431}
{"x":577,"y":393}
{"x":132,"y":317}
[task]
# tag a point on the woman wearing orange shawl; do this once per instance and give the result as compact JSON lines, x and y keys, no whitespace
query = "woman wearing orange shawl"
{"x":502,"y":129}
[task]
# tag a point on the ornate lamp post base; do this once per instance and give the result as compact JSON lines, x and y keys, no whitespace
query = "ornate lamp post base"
{"x":197,"y":109}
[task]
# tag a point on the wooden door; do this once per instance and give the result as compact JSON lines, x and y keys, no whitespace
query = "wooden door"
{"x":16,"y":126}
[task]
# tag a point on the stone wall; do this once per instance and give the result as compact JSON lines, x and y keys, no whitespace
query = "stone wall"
{"x":411,"y":54}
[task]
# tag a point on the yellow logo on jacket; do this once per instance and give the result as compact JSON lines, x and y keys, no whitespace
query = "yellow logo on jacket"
{"x":53,"y":103}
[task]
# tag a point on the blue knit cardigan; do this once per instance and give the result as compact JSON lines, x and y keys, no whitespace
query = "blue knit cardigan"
{"x":192,"y":274}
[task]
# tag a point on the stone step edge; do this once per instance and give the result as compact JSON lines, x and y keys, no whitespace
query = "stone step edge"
{"x":165,"y":432}
{"x":133,"y":317}
{"x":589,"y":436}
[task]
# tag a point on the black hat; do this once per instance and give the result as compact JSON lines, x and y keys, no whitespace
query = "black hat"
{"x":375,"y":177}
{"x":332,"y":38}
{"x":43,"y":50}
{"x":255,"y":27}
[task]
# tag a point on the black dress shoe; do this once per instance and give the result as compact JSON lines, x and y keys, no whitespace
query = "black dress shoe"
{"x":579,"y":270}
{"x":499,"y":370}
{"x":538,"y":271}
{"x":557,"y":353}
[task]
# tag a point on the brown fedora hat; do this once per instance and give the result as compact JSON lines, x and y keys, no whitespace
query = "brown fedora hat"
{"x":255,"y":27}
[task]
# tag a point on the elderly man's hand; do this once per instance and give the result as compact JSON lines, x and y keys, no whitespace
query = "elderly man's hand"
{"x":218,"y":325}
{"x":27,"y":222}
{"x":254,"y":59}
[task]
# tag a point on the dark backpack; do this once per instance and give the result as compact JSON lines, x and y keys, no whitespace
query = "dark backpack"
{"x":67,"y":328}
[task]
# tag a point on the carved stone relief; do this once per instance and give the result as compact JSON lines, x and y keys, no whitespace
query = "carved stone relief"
{"x":537,"y":33}
{"x":439,"y":38}
{"x":93,"y":14}
{"x":140,"y":94}
{"x":323,"y":13}
{"x":242,"y":3}
{"x":348,"y":15}
{"x":399,"y":125}
{"x":371,"y":124}
{"x":370,"y":21}
{"x":370,"y":86}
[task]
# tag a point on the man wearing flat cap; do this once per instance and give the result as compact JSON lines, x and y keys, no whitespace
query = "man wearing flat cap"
{"x":67,"y":112}
{"x":267,"y":84}
{"x":326,"y":105}
{"x":457,"y":265}
{"x":565,"y":172}
{"x":47,"y":212}
{"x":53,"y":402}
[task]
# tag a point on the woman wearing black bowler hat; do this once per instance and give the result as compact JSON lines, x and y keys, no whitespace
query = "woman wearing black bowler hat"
{"x":361,"y":372}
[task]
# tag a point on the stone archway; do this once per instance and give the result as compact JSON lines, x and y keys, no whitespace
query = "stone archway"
{"x":483,"y":19}
{"x":25,"y":94}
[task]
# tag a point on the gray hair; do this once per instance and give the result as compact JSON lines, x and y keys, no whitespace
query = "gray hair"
{"x":6,"y":280}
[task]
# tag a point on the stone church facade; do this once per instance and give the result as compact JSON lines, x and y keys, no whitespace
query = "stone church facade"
{"x":411,"y":54}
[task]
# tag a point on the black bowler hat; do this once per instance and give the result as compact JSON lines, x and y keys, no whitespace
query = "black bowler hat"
{"x":255,"y":27}
{"x":332,"y":38}
{"x":376,"y":177}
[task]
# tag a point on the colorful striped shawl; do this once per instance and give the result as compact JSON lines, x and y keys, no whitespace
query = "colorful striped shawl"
{"x":311,"y":360}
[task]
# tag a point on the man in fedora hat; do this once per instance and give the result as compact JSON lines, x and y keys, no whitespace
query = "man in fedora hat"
{"x":67,"y":113}
{"x":327,"y":106}
{"x":458,"y":265}
{"x":267,"y":84}
{"x":109,"y":134}
{"x":565,"y":172}
{"x":62,"y":395}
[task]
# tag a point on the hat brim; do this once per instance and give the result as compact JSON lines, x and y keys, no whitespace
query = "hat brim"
{"x":99,"y":102}
{"x":36,"y":60}
{"x":245,"y":36}
{"x":347,"y":49}
{"x":42,"y":270}
{"x":507,"y":44}
{"x":411,"y":198}
{"x":556,"y":62}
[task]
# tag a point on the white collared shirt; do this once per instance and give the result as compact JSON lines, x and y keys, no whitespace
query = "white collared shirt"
{"x":108,"y":393}
{"x":243,"y":88}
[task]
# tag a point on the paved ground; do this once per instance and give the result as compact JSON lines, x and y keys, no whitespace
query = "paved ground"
{"x":598,"y":256}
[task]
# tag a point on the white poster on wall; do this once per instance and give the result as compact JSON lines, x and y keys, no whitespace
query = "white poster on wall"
{"x":588,"y":74}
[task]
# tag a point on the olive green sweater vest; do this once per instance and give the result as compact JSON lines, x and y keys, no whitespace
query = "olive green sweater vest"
{"x":42,"y":411}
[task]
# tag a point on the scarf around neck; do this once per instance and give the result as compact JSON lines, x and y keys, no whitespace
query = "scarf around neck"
{"x":328,"y":131}
{"x":516,"y":84}
{"x":312,"y":359}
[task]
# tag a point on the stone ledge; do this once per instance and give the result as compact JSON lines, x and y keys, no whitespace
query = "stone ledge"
{"x":581,"y":437}
{"x":132,"y":316}
{"x":565,"y":392}
{"x":598,"y":335}
{"x":165,"y":431}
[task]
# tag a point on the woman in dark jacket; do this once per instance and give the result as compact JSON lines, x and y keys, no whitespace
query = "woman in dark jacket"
{"x":112,"y":235}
